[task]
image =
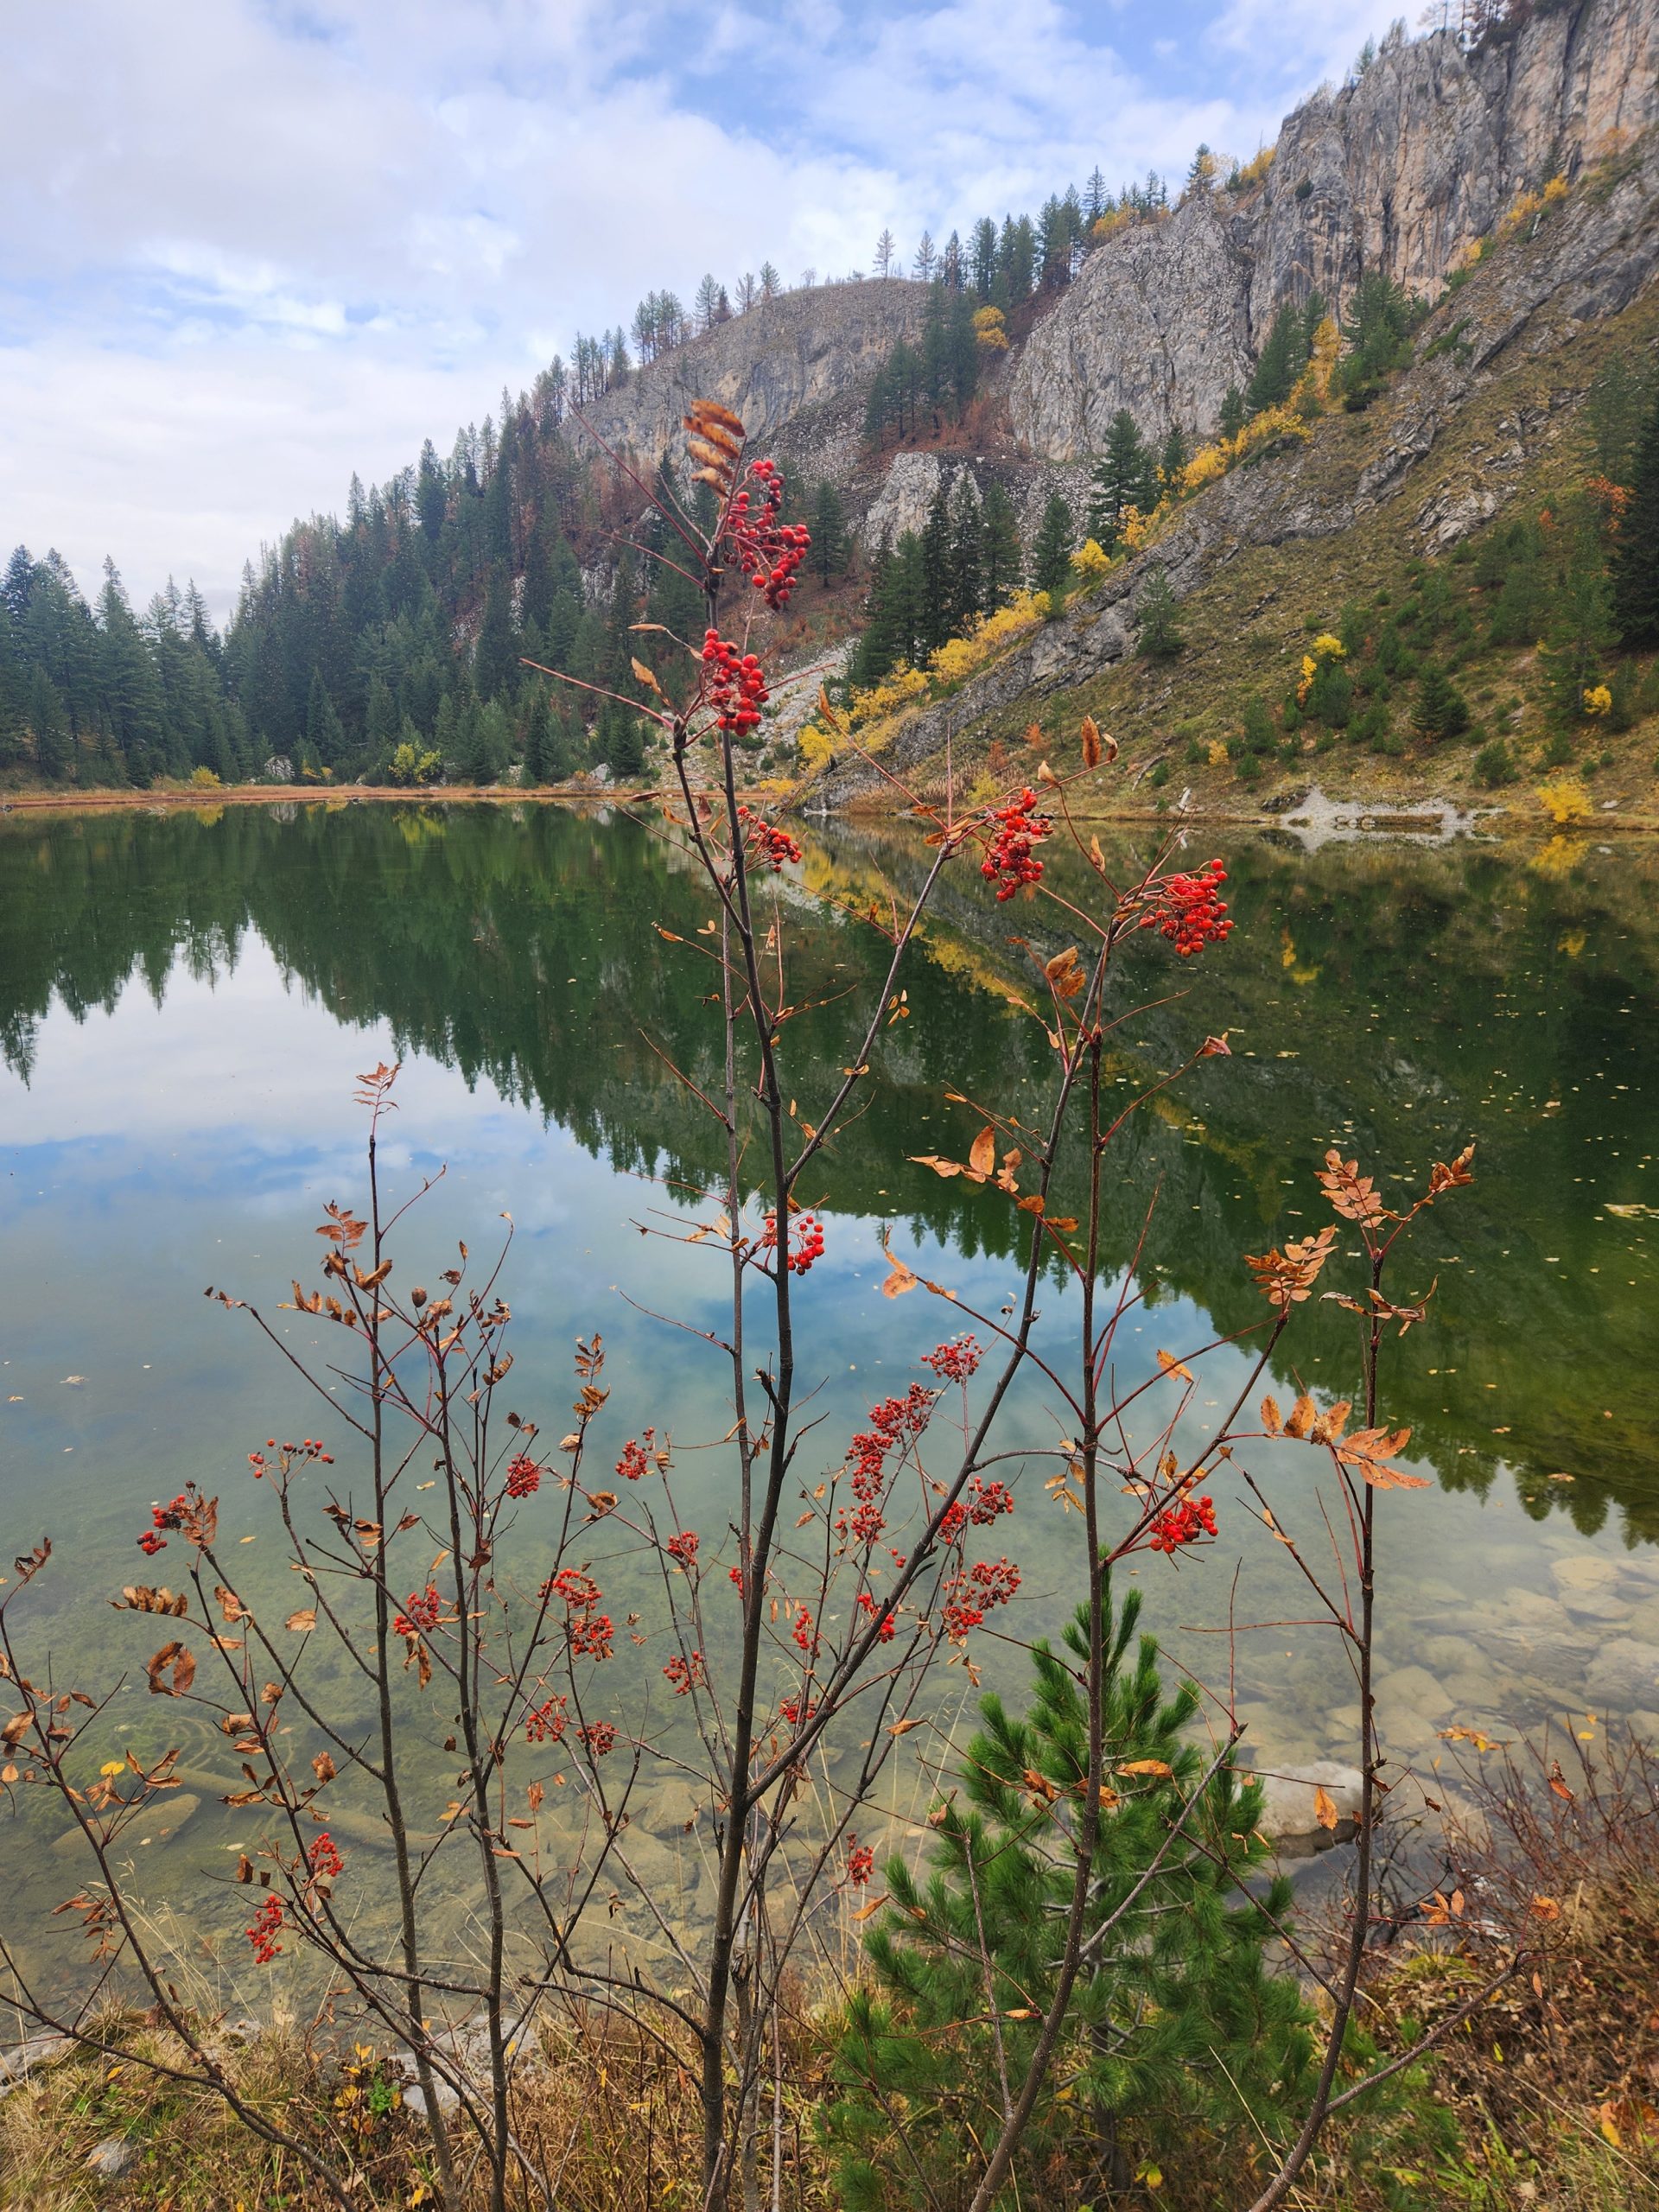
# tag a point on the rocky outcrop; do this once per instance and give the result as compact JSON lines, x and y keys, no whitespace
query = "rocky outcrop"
{"x":1158,"y":321}
{"x":784,"y":356}
{"x":1401,"y":170}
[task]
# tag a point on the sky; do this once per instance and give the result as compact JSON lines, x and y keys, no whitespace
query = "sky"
{"x":248,"y":247}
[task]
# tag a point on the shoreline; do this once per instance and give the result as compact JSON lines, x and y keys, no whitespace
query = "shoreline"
{"x":1427,"y":818}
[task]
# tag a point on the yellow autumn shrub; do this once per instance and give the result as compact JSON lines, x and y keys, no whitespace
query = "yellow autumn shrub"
{"x":1564,"y":799}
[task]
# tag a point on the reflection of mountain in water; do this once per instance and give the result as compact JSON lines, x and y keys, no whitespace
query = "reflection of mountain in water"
{"x":1395,"y":1002}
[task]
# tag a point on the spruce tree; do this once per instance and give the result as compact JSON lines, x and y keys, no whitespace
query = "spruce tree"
{"x":999,"y":563}
{"x":1635,"y":549}
{"x":1161,"y":637}
{"x":1050,"y":555}
{"x":1232,"y":417}
{"x":1178,"y":2025}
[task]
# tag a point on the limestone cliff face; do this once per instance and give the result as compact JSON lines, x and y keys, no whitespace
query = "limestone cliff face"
{"x":784,"y":356}
{"x":1500,"y":355}
{"x":1400,"y":171}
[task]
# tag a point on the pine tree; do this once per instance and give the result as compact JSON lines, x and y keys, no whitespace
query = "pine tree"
{"x":1122,"y":479}
{"x":12,"y":687}
{"x":47,"y":726}
{"x":431,"y":500}
{"x":1636,"y":550}
{"x":885,"y":248}
{"x":1279,"y":364}
{"x":964,"y":584}
{"x":1232,"y":417}
{"x":830,"y":549}
{"x":129,"y":687}
{"x":1439,"y":709}
{"x":1377,"y":333}
{"x":1051,"y":557}
{"x":1178,"y":2027}
{"x":984,"y":258}
{"x":1160,"y":637}
{"x":382,"y":718}
{"x":538,"y":741}
{"x":935,"y":625}
{"x":1000,"y":564}
{"x":323,"y":731}
{"x":495,"y":661}
{"x":1173,"y":458}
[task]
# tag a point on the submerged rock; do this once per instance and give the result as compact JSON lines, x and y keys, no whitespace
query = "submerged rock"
{"x":1625,"y":1673}
{"x":1290,"y":1814}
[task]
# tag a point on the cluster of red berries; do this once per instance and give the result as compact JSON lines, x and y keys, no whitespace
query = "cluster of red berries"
{"x":860,"y":1861}
{"x":771,"y":846}
{"x":803,"y":1632}
{"x":769,"y":552}
{"x":524,"y":1477}
{"x":894,"y":1423}
{"x":590,"y":1630}
{"x":794,"y":1710}
{"x":421,"y":1614}
{"x":686,"y":1676}
{"x":324,"y":1855}
{"x":806,"y":1244}
{"x":971,"y":1596}
{"x":1009,"y":861}
{"x":984,"y":1501}
{"x":165,"y":1516}
{"x":955,"y":1360}
{"x":1183,"y":1524}
{"x":1185,"y":910}
{"x":889,"y":1621}
{"x":636,"y":1461}
{"x":598,"y":1738}
{"x":262,"y":1930}
{"x":683,"y":1547}
{"x":544,"y":1724}
{"x":734,"y":683}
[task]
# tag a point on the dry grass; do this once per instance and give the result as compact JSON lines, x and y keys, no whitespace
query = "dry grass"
{"x":1545,"y":2100}
{"x":609,"y":2115}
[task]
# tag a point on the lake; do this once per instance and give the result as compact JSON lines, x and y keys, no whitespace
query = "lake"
{"x":186,"y":998}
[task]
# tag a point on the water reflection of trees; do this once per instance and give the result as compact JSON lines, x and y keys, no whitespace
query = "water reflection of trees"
{"x":1394,"y":1002}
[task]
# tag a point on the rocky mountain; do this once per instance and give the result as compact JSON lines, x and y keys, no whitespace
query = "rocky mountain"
{"x":1401,"y":170}
{"x":783,"y":358}
{"x":1488,"y":412}
{"x":1430,"y":167}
